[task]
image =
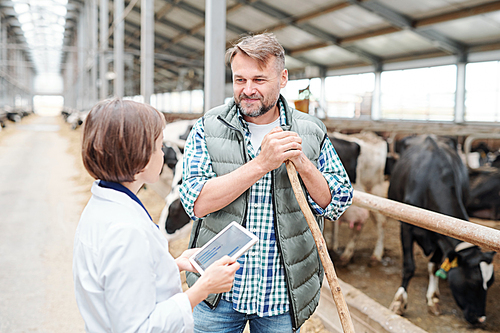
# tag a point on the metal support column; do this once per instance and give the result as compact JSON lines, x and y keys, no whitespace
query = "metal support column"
{"x":69,"y":96}
{"x":215,"y":44}
{"x":147,"y":49}
{"x":322,"y":110}
{"x":118,"y":40}
{"x":460,"y":94}
{"x":93,"y":54}
{"x":80,"y":97}
{"x":103,"y":62}
{"x":377,"y":92}
{"x":5,"y":41}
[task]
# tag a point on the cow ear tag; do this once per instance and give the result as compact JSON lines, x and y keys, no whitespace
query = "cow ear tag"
{"x":445,"y":268}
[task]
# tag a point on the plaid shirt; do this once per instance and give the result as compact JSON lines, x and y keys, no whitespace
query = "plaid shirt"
{"x":259,"y":285}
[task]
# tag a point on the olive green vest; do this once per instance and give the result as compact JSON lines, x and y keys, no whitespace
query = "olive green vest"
{"x":227,"y":147}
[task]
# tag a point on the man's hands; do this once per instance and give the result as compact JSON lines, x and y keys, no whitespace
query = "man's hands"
{"x":279,"y":146}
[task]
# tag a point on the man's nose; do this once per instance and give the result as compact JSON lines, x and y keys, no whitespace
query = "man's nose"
{"x":249,"y":89}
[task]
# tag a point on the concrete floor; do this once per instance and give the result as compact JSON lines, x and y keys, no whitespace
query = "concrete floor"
{"x":40,"y":204}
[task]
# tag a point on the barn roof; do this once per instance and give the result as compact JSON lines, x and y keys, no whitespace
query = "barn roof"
{"x":319,"y":36}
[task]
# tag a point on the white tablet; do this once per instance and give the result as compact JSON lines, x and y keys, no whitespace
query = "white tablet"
{"x":233,"y":240}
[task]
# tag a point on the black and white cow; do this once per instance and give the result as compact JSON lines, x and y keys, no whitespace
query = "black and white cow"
{"x":348,"y":153}
{"x":484,"y":197}
{"x":431,"y":175}
{"x":368,"y":176}
{"x":173,"y":219}
{"x":171,"y":155}
{"x":175,"y":133}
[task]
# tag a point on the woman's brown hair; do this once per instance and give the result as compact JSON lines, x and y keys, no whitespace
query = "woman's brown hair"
{"x":119,"y":139}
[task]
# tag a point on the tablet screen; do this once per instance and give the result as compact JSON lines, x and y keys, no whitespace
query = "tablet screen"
{"x":229,"y":242}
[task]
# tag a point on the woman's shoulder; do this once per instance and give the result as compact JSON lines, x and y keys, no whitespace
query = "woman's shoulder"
{"x":101,"y":217}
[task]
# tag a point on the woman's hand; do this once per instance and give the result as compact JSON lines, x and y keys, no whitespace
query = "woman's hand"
{"x":183,"y":261}
{"x":218,"y":278}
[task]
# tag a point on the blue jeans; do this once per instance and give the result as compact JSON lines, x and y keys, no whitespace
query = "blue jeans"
{"x":224,"y":319}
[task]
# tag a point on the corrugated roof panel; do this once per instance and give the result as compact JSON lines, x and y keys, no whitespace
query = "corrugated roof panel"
{"x":349,"y":21}
{"x":300,"y":7}
{"x":200,"y":4}
{"x":473,"y":30}
{"x":164,"y":30}
{"x":134,"y":17}
{"x":176,"y":49}
{"x":396,"y":44}
{"x":250,"y":19}
{"x":292,"y":38}
{"x":332,"y":56}
{"x":193,"y":43}
{"x":230,"y":36}
{"x":183,"y":18}
{"x":424,"y":8}
{"x":292,"y":63}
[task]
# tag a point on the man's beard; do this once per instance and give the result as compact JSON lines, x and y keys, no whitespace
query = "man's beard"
{"x":259,"y":112}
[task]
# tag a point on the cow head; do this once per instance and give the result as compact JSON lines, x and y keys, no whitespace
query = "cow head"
{"x":169,"y":156}
{"x":470,"y":280}
{"x":348,"y":153}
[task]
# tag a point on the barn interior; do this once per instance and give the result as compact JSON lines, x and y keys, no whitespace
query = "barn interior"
{"x":71,"y":44}
{"x":392,"y":67}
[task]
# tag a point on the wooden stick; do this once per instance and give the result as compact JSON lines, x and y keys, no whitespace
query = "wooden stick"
{"x":331,"y":276}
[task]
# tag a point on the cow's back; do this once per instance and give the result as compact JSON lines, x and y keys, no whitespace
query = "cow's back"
{"x":431,"y":175}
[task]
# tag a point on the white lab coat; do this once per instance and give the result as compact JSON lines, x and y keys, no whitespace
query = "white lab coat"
{"x":125,"y":278}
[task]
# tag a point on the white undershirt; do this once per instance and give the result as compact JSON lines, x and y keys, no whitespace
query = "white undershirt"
{"x":258,"y":132}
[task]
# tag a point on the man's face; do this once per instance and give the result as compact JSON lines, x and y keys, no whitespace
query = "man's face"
{"x":256,"y":89}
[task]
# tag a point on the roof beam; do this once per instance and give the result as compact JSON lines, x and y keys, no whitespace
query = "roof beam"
{"x":173,"y":25}
{"x":288,"y":20}
{"x":427,"y":21}
{"x":162,"y":38}
{"x":169,"y":57}
{"x":404,"y":22}
{"x":197,"y":12}
{"x":166,"y":9}
{"x":201,"y":25}
{"x":321,"y":12}
{"x":458,"y":14}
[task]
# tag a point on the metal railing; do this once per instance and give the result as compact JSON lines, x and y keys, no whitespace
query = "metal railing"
{"x":485,"y":237}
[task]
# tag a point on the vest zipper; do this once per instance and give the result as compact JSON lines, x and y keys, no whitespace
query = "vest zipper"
{"x":245,"y":160}
{"x":196,"y":233}
{"x":278,"y":245}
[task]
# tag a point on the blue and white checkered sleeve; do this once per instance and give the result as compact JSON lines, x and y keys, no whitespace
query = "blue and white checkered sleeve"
{"x":332,"y":169}
{"x":197,"y":168}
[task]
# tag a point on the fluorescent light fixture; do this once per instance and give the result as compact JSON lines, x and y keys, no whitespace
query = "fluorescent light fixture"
{"x":21,"y":8}
{"x":25,"y":17}
{"x":28,"y":26}
{"x":43,"y":25}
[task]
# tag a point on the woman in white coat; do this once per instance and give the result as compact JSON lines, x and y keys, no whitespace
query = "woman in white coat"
{"x":125,"y":278}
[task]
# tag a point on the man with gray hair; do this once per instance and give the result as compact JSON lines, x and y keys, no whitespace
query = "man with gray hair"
{"x":234,"y":171}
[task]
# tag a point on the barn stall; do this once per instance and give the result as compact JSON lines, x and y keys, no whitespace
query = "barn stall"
{"x":369,"y":289}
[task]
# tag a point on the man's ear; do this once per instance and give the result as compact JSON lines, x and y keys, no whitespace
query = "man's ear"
{"x":284,"y":78}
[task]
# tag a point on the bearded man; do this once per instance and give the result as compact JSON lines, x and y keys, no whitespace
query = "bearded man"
{"x":234,"y":171}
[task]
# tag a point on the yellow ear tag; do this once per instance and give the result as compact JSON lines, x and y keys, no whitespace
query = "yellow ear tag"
{"x":445,"y":268}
